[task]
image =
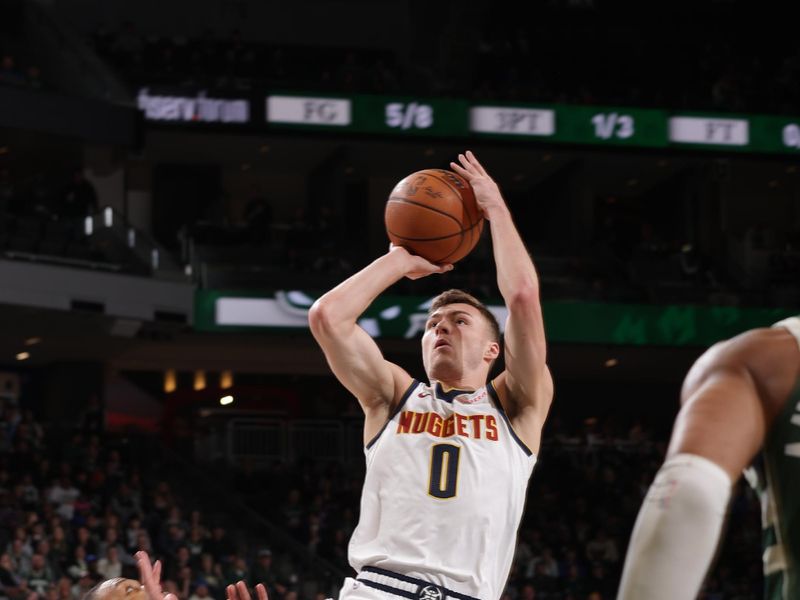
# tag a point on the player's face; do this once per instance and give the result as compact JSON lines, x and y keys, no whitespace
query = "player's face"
{"x":122,"y":589}
{"x":457,"y":340}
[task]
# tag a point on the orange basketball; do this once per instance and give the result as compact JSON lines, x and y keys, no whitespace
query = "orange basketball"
{"x":433,"y":213}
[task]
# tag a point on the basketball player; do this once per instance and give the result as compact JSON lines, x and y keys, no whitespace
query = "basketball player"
{"x":120,"y":588}
{"x":448,"y":459}
{"x":742,"y":395}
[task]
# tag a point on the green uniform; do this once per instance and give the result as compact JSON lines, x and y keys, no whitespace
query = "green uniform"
{"x":778,"y":485}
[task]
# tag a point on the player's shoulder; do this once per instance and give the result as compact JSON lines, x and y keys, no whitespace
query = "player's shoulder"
{"x":765,"y":353}
{"x":757,"y":343}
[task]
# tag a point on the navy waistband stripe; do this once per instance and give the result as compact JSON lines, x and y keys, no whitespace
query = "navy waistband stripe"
{"x":421,"y":583}
{"x":388,"y":589}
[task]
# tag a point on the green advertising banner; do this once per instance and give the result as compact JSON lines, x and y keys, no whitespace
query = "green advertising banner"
{"x":566,"y":322}
{"x":775,"y":134}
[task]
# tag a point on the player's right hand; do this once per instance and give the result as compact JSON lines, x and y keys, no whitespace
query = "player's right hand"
{"x":417,"y":267}
{"x":240,"y":592}
{"x":151,"y":577}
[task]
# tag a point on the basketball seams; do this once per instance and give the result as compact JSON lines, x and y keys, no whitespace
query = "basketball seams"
{"x":403,"y":199}
{"x":430,"y":173}
{"x":427,"y":239}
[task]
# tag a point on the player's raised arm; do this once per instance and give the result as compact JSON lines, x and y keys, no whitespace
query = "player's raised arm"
{"x":525,"y":387}
{"x":352,"y":354}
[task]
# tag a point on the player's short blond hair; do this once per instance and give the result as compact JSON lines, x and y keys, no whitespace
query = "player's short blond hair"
{"x":461,"y":297}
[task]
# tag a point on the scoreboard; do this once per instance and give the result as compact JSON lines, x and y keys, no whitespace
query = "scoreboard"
{"x":454,"y":118}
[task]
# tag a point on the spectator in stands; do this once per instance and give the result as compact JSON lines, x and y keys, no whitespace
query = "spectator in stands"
{"x":9,"y":74}
{"x":195,"y":543}
{"x":11,"y":585}
{"x":543,"y":565}
{"x":210,"y":574}
{"x":39,"y":576}
{"x":51,"y":561}
{"x":20,"y":554}
{"x":79,"y":566}
{"x":602,"y":548}
{"x":238,"y":570}
{"x":262,"y":571}
{"x":112,"y":540}
{"x":93,"y":416}
{"x":60,"y":550}
{"x":177,"y":562}
{"x":184,"y":581}
{"x":162,"y":498}
{"x":63,"y":495}
{"x":293,"y":513}
{"x":172,"y":541}
{"x":201,"y":592}
{"x":257,"y":217}
{"x":7,"y":192}
{"x":132,"y":533}
{"x":109,"y":566}
{"x":79,"y":198}
{"x":219,"y":546}
{"x":128,"y":46}
{"x":143,"y":542}
{"x":33,"y":78}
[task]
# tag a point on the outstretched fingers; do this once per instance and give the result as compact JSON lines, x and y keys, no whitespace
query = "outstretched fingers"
{"x":151,"y":577}
{"x":461,"y":171}
{"x":473,"y":161}
{"x":241,"y":587}
{"x":468,"y":166}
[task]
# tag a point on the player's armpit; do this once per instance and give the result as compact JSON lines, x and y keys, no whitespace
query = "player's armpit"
{"x":528,"y":415}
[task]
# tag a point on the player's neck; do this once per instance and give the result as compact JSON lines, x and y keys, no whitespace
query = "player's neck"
{"x":466,"y":384}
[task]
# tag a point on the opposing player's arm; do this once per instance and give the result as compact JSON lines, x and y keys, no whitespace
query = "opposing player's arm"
{"x":766,"y":361}
{"x":746,"y":380}
{"x":526,"y":386}
{"x":352,"y":354}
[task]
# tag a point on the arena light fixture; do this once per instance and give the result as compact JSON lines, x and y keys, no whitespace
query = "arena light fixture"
{"x":170,"y":381}
{"x":23,"y":355}
{"x":199,"y":380}
{"x":225,"y":400}
{"x":32,"y":341}
{"x":611,"y":362}
{"x":226,"y":380}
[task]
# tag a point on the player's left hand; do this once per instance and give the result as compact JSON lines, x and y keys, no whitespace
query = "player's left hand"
{"x":240,"y":592}
{"x":151,"y":577}
{"x":487,"y":193}
{"x":415,"y":266}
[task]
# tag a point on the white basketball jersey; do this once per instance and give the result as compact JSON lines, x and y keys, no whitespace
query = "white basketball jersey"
{"x":444,"y":491}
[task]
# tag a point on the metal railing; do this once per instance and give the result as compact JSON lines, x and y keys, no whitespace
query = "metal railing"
{"x":111,"y":222}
